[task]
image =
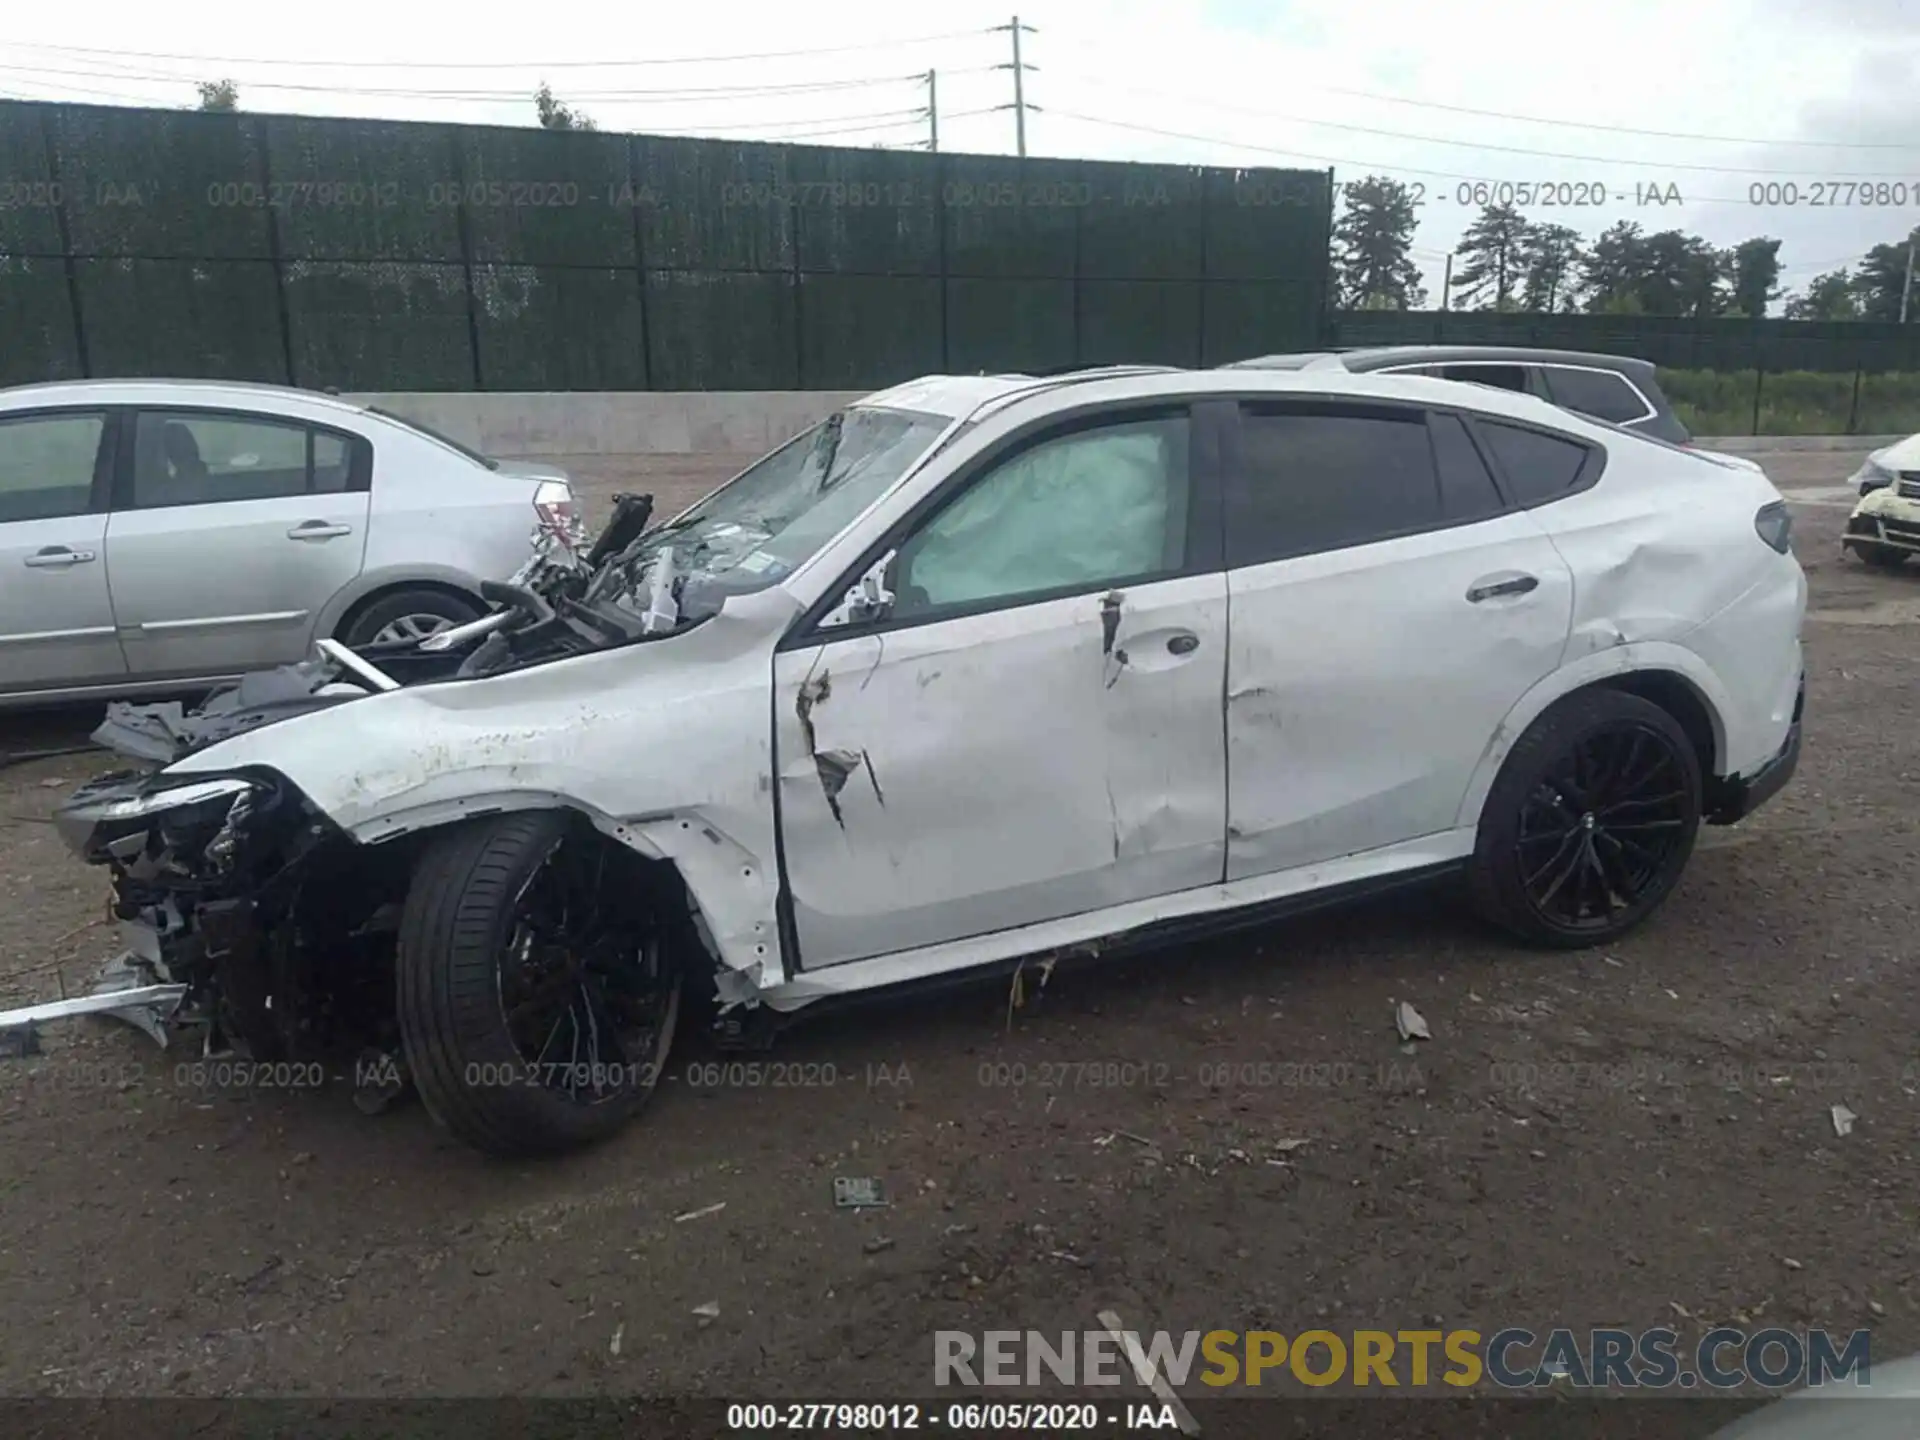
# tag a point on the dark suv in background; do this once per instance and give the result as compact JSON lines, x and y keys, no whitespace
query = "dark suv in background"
{"x":1607,"y":387}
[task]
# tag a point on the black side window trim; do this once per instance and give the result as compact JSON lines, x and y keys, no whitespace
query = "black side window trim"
{"x":1478,"y":446}
{"x":123,"y":421}
{"x":1584,"y":479}
{"x":100,"y":496}
{"x":1205,"y":524}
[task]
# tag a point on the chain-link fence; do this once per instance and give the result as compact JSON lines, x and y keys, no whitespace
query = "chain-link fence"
{"x":370,"y":255}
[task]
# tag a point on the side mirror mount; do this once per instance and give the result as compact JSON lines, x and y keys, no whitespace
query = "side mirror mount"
{"x":869,"y":598}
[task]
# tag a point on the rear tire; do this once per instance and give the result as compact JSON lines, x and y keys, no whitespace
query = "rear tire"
{"x":1882,"y":557}
{"x":409,"y":614}
{"x":477,"y":951}
{"x":1590,"y":822}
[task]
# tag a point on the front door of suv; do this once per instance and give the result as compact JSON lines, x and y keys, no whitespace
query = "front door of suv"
{"x":1033,"y":729}
{"x":1387,"y":607}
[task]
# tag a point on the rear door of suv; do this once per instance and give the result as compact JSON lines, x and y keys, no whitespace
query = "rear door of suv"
{"x":1388,"y":605}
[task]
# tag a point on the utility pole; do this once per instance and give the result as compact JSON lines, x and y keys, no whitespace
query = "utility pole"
{"x":933,"y":111}
{"x":1446,"y":284}
{"x":1019,"y":68}
{"x":1906,"y":289}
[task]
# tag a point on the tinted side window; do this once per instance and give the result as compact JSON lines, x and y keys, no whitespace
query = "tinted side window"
{"x":1537,"y":467}
{"x":1091,"y":508}
{"x":1594,"y":392}
{"x":1500,"y":377}
{"x":1323,"y":480}
{"x":46,"y":465}
{"x":1467,"y":491}
{"x":195,"y":458}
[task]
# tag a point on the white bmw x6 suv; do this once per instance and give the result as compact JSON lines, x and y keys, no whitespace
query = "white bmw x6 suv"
{"x":980,"y":669}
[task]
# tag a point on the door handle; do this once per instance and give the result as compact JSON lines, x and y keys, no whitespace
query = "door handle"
{"x":1183,"y":644}
{"x":1518,"y":585}
{"x":317,"y":530}
{"x":57,"y":556}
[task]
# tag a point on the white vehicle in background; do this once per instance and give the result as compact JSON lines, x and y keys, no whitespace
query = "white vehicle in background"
{"x":982,"y":669}
{"x":1885,"y":526}
{"x":168,"y":535}
{"x":1888,"y":466}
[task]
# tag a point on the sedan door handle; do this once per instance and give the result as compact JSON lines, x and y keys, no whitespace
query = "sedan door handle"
{"x":1517,"y":585}
{"x":57,"y":556}
{"x":318,"y":530}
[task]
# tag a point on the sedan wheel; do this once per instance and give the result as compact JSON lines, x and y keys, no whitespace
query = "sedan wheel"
{"x":406,"y":616}
{"x":411,"y":628}
{"x":1590,"y":822}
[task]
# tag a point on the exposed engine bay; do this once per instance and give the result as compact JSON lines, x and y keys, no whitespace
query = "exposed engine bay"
{"x":521,"y":965}
{"x":249,"y":918}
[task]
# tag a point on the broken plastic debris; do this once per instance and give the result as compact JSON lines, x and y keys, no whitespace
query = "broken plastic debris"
{"x":613,"y":1345}
{"x":708,"y":1312}
{"x":854,"y":1192}
{"x":704,"y":1210}
{"x":1287,"y":1147}
{"x":1843,"y":1119}
{"x":1412,"y":1025}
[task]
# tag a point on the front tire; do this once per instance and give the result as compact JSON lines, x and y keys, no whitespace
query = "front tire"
{"x":1590,"y":822}
{"x":1882,"y":557}
{"x":538,"y":992}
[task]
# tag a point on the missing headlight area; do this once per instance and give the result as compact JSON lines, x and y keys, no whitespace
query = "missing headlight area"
{"x":257,"y":927}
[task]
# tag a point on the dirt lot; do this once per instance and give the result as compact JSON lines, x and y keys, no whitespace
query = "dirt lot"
{"x":1633,"y":1138}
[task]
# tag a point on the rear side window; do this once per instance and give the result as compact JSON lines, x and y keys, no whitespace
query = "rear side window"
{"x":1500,"y":377}
{"x":47,"y":464}
{"x":1538,"y":467}
{"x":1600,"y":393}
{"x":1319,"y":480}
{"x":1467,"y":491}
{"x":191,"y":457}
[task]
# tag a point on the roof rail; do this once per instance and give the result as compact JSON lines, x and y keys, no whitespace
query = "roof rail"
{"x":1042,"y":383}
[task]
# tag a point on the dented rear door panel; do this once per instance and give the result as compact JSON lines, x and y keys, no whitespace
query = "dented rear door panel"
{"x":1363,"y":683}
{"x":978,"y":773}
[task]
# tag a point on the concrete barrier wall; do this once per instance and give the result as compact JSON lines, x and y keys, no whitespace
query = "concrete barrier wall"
{"x":525,"y":425}
{"x":737,"y":422}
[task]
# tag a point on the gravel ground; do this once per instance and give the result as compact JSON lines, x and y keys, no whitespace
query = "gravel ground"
{"x":1634,"y":1137}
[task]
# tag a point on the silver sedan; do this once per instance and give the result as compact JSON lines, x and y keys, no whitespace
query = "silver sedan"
{"x":160,"y":535}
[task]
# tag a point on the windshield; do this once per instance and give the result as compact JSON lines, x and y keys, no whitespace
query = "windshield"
{"x":432,"y":434}
{"x":775,"y":515}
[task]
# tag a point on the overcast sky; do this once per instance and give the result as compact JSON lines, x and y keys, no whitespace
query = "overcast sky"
{"x":1779,"y":93}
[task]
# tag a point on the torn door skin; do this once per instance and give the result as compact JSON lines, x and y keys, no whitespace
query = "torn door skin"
{"x":832,"y":766}
{"x":835,"y":766}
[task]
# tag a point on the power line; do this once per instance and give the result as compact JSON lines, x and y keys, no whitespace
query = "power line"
{"x":1615,"y":129}
{"x":691,"y":94}
{"x":1486,"y":145}
{"x":511,"y":64}
{"x":1366,"y":165}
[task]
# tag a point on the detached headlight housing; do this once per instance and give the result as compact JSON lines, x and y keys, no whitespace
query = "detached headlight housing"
{"x":116,"y":815}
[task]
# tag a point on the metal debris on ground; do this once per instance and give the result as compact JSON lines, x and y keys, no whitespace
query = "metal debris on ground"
{"x":1843,"y":1119}
{"x":704,"y":1210}
{"x":857,"y":1192}
{"x":1410,"y":1022}
{"x":1146,"y":1374}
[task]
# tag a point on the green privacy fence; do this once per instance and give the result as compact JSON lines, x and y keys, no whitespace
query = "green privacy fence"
{"x":369,"y":255}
